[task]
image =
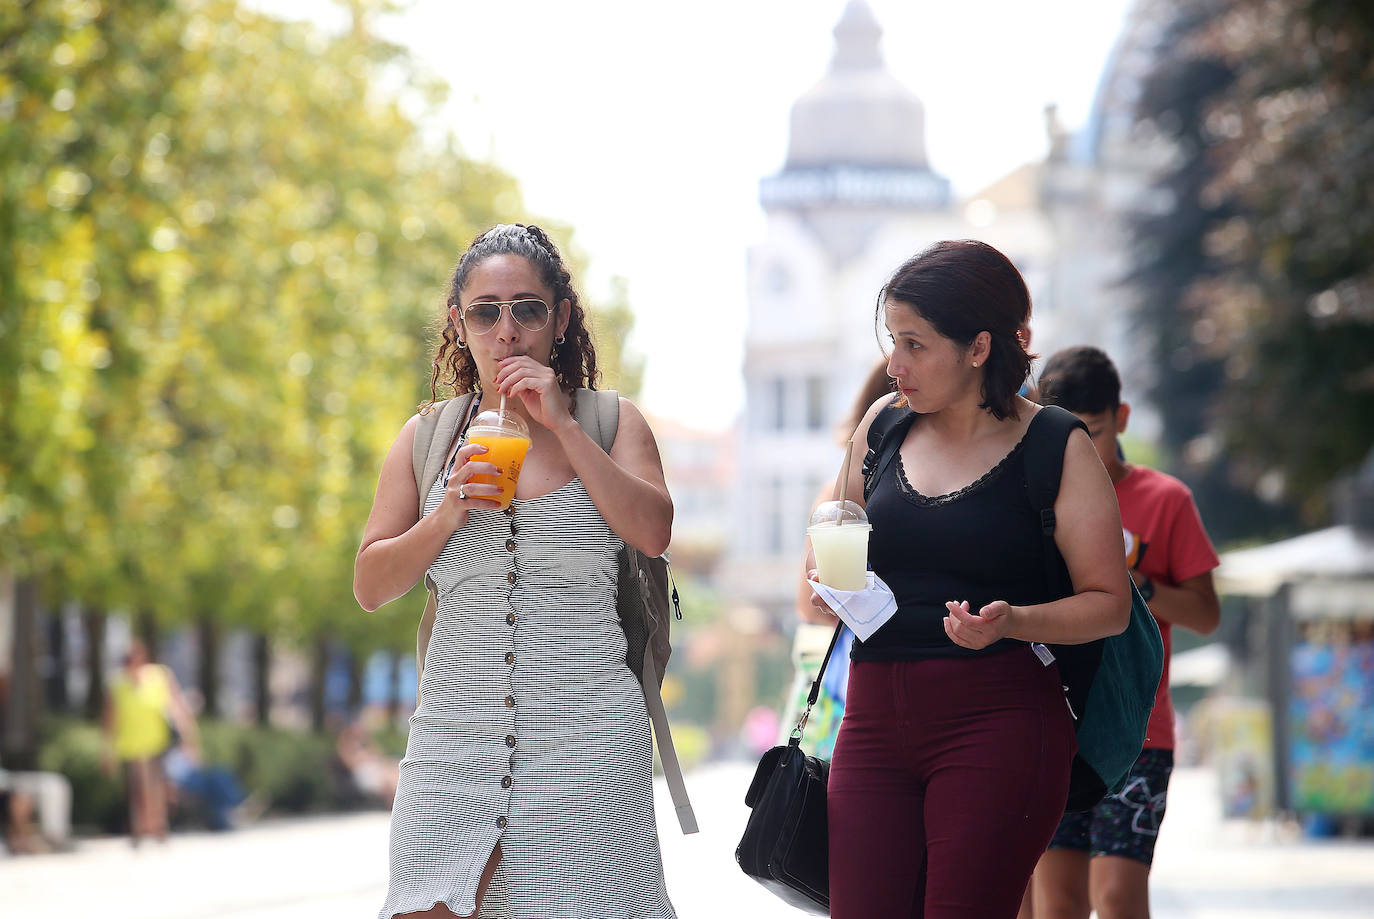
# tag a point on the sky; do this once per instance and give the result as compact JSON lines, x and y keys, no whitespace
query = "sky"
{"x":646,"y":126}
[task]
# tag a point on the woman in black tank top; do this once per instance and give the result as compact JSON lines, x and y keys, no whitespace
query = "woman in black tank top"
{"x":952,"y":763}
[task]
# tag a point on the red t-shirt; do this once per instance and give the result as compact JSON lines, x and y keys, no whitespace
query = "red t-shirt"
{"x":1166,"y":542}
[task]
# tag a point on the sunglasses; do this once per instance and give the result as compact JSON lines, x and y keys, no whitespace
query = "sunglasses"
{"x":481,"y":317}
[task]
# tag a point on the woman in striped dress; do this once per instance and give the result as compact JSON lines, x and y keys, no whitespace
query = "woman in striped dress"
{"x":526,"y":789}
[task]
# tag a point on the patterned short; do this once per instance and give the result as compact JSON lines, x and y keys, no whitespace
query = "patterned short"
{"x":1124,"y":824}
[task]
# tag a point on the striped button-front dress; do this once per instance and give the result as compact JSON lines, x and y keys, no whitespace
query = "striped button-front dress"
{"x":531,"y":731}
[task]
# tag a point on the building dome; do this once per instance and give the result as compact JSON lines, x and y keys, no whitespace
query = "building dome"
{"x":858,"y":114}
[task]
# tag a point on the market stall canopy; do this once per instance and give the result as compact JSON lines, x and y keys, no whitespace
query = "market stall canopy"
{"x":1336,"y":553}
{"x":1331,"y":568}
{"x":1206,"y":666}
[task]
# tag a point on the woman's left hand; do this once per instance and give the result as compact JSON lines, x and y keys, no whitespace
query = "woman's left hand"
{"x":536,"y":386}
{"x":816,"y":600}
{"x":977,"y":632}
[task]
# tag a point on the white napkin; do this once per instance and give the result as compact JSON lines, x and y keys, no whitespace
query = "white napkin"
{"x":865,"y":610}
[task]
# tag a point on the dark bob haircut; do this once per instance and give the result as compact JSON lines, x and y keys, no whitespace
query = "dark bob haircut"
{"x":963,"y":287}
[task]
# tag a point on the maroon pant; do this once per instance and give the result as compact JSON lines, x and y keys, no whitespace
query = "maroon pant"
{"x":948,"y":780}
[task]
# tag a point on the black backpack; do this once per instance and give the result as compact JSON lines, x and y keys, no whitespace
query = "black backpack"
{"x":1109,"y":683}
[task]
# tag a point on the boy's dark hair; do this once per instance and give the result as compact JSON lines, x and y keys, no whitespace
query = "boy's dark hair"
{"x":1081,"y":379}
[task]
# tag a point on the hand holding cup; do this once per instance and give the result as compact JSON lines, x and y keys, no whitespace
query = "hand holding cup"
{"x":461,"y":490}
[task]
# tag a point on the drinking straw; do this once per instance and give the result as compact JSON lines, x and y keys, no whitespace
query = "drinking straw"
{"x":842,"y":484}
{"x":501,"y":411}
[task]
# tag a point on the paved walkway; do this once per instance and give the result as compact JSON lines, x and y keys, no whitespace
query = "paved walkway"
{"x":335,"y":868}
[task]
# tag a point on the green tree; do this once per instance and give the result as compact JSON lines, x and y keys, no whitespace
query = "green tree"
{"x":1256,"y":282}
{"x":1171,"y":260}
{"x":1295,"y":308}
{"x":223,"y":246}
{"x":79,"y":83}
{"x":316,"y":228}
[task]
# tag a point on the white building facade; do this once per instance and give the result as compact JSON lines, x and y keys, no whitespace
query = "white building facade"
{"x":855,"y":198}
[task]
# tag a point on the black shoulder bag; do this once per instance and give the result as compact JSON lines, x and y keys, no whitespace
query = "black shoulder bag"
{"x":785,"y":846}
{"x":786,"y":842}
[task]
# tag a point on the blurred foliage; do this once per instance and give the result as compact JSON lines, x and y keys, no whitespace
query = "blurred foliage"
{"x":73,"y":749}
{"x":620,"y":369}
{"x":288,"y":771}
{"x":724,"y":659}
{"x":1140,"y":451}
{"x":691,"y":743}
{"x":224,"y":241}
{"x":701,"y":605}
{"x":692,"y":697}
{"x":390,"y":739}
{"x":1257,"y":277}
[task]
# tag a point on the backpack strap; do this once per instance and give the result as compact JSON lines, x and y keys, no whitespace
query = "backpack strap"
{"x":667,"y":753}
{"x":885,"y":436}
{"x":434,"y":433}
{"x":598,"y":412}
{"x":1046,"y":439}
{"x":1102,"y":718}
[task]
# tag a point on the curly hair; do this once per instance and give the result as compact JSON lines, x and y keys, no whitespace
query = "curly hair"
{"x":573,"y":361}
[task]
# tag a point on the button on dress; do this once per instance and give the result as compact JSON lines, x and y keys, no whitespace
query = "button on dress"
{"x":530,"y":731}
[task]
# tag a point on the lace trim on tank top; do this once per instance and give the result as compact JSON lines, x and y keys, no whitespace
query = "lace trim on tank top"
{"x":914,"y":496}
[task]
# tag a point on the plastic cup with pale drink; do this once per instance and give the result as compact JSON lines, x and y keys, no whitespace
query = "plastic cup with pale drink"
{"x":839,"y":537}
{"x":507,"y":440}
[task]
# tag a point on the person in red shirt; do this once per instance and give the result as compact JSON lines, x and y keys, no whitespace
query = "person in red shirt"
{"x":1100,"y":859}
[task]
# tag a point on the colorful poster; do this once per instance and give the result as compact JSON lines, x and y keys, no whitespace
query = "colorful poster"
{"x":1331,"y":748}
{"x":1242,"y":737}
{"x":823,"y":725}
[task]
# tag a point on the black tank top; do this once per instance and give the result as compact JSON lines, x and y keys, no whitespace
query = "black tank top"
{"x":981,"y":543}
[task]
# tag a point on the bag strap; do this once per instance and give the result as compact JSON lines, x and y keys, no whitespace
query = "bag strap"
{"x":598,"y":412}
{"x":885,"y":436}
{"x":434,"y":433}
{"x":1046,"y":439}
{"x":815,"y":693}
{"x":667,"y":753}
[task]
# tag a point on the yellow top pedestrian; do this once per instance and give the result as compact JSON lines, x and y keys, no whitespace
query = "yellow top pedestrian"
{"x":141,"y":707}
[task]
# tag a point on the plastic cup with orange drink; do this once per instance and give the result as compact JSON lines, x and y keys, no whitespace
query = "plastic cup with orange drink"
{"x":507,"y":440}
